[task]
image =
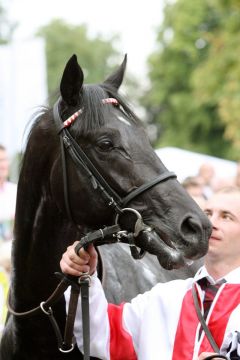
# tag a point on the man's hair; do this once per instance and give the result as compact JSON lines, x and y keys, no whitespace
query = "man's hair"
{"x":191,"y":181}
{"x":2,"y":147}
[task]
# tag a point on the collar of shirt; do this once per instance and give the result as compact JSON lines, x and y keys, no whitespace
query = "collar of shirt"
{"x":233,"y":277}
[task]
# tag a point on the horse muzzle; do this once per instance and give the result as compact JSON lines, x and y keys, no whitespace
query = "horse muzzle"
{"x":170,"y":255}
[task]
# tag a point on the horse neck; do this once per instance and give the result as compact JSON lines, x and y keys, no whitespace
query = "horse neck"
{"x":41,"y":236}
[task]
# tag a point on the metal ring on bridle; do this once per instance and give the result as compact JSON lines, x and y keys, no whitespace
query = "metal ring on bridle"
{"x":67,"y":351}
{"x":47,"y":312}
{"x":130,"y":210}
{"x":85,"y":276}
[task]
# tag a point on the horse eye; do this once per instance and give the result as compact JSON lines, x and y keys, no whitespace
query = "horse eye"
{"x":105,"y":145}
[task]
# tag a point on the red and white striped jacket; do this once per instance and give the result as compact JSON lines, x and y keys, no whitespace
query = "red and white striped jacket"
{"x":162,"y":323}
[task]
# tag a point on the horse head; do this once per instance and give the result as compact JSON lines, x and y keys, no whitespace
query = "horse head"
{"x":101,"y":137}
{"x":88,"y":166}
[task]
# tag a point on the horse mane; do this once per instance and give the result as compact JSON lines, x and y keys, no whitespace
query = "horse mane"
{"x":33,"y":184}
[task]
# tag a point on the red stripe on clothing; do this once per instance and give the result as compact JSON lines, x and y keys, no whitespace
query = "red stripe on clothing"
{"x":186,"y":330}
{"x":121,"y":345}
{"x":227,"y":301}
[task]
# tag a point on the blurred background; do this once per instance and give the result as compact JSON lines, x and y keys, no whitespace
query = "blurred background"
{"x":183,"y":65}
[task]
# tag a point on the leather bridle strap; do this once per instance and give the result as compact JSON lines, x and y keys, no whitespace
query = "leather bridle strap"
{"x":71,"y":314}
{"x":78,"y":285}
{"x":161,"y":178}
{"x":81,"y":287}
{"x":82,"y":161}
{"x":205,"y":327}
{"x":216,"y":356}
{"x":55,"y":296}
{"x":84,"y":284}
{"x":96,"y":235}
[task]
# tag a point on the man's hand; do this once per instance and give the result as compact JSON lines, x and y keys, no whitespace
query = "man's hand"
{"x":204,"y":355}
{"x":72,"y":264}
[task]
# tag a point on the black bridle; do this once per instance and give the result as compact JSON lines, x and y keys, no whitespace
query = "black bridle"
{"x":112,"y":198}
{"x":82,"y":162}
{"x":115,"y":232}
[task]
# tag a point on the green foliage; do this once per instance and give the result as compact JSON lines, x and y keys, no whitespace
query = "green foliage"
{"x":6,"y":29}
{"x":194,"y":97}
{"x":63,"y":40}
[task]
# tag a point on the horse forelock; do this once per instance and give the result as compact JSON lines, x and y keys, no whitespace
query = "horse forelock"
{"x":95,"y":114}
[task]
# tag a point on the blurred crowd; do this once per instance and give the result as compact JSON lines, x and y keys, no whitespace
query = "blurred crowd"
{"x":8,"y":192}
{"x":203,"y":184}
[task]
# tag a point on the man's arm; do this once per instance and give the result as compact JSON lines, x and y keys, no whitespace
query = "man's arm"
{"x":72,"y":264}
{"x":205,"y":355}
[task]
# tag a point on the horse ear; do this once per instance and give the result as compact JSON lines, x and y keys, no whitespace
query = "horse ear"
{"x":115,"y":80}
{"x":71,"y":82}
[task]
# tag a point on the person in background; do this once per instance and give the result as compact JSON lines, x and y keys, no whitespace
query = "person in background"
{"x":162,"y":323}
{"x":8,"y":192}
{"x":194,"y":187}
{"x":5,"y":265}
{"x":237,"y":178}
{"x":206,"y":174}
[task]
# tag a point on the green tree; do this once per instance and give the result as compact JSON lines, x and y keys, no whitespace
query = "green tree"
{"x":188,"y":116}
{"x":6,"y":28}
{"x":63,"y":40}
{"x":221,"y":71}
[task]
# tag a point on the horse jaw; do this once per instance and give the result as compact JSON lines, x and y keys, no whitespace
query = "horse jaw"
{"x":168,"y":257}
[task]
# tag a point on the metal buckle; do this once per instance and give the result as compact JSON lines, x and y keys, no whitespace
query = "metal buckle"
{"x":67,"y":351}
{"x":48,"y":312}
{"x":139,"y":225}
{"x":84,"y":277}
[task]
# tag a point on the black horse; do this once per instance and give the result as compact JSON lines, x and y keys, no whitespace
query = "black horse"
{"x":62,"y":196}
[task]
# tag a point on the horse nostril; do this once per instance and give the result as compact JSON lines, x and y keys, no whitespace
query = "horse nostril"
{"x":193,"y":240}
{"x":189,"y":227}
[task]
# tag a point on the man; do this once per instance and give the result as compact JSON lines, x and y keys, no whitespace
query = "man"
{"x":162,"y":324}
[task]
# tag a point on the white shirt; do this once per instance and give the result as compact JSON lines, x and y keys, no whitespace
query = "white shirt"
{"x":8,"y":193}
{"x":161,"y":323}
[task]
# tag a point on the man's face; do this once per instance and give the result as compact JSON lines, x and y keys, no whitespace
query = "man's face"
{"x":4,"y":165}
{"x":223,"y":210}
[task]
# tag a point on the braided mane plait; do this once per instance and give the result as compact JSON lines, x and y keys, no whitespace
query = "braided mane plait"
{"x":92,"y":112}
{"x":74,"y":116}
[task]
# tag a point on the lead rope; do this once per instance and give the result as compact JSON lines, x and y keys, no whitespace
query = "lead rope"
{"x":81,"y":284}
{"x":85,"y":278}
{"x":85,"y":283}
